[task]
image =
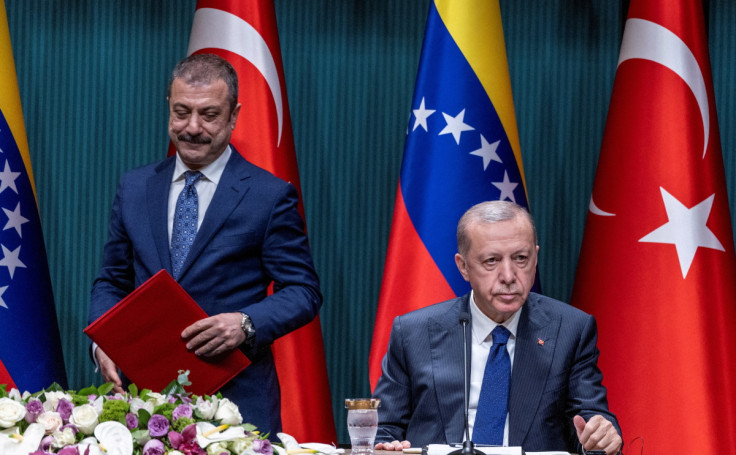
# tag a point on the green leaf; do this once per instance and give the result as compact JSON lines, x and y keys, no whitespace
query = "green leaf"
{"x":133,"y":390}
{"x":92,"y":390}
{"x":143,"y":418}
{"x":105,"y":388}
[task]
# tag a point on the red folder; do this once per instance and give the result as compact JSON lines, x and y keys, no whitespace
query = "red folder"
{"x":142,"y":335}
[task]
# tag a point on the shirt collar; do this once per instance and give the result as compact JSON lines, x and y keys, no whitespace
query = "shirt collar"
{"x":483,"y":325}
{"x":211,"y":172}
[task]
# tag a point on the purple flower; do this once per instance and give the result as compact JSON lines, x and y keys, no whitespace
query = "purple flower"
{"x":131,"y":421}
{"x":154,"y":447}
{"x":158,"y":425}
{"x":34,"y":408}
{"x":183,"y":410}
{"x":69,"y":450}
{"x":262,"y":446}
{"x":64,"y":408}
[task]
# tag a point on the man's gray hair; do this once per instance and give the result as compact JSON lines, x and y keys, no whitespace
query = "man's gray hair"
{"x":489,"y":212}
{"x":206,"y":69}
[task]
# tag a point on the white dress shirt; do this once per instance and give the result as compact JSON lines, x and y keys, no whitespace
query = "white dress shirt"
{"x":481,"y":342}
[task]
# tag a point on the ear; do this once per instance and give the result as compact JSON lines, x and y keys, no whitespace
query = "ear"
{"x":462,"y":266}
{"x":234,"y":116}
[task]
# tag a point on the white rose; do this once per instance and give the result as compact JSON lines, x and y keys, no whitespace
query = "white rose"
{"x":15,"y":394}
{"x":157,"y":399}
{"x":228,"y":413}
{"x":217,"y":448}
{"x":239,"y":445}
{"x":136,"y":404}
{"x":85,"y":418}
{"x":52,"y":400}
{"x":63,"y":438}
{"x":50,"y":420}
{"x":174,"y":452}
{"x":205,"y":409}
{"x":11,"y":412}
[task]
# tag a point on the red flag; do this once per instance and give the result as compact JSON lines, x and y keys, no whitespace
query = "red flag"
{"x":657,"y":266}
{"x":245,"y":34}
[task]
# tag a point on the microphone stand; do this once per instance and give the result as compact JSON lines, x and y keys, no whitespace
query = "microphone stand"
{"x":468,"y":445}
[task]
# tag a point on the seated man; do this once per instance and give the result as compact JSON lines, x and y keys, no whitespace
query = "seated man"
{"x":534,"y":378}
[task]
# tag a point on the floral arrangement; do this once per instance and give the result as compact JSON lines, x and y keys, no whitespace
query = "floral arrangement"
{"x":93,"y":421}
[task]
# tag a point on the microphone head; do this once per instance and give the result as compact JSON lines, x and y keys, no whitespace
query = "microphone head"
{"x":464,"y":317}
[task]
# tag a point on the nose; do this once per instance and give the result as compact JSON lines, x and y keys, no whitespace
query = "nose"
{"x":194,"y":124}
{"x":506,"y":272}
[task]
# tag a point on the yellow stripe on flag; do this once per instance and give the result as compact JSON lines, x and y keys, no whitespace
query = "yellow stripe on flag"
{"x":10,"y":96}
{"x":476,"y":28}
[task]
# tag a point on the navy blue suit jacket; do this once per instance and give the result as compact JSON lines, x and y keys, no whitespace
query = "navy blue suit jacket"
{"x":251,"y":234}
{"x":421,"y":388}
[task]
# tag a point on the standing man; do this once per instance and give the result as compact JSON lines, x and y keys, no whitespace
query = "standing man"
{"x":534,"y":378}
{"x":224,"y":228}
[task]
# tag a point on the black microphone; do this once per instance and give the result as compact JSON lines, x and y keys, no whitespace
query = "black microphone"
{"x":468,"y":446}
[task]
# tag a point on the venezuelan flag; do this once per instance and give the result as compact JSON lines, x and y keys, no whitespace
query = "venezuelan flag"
{"x":462,"y":148}
{"x":30,"y":345}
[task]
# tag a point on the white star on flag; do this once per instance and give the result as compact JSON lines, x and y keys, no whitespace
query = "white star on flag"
{"x":15,"y":219}
{"x":507,"y":188}
{"x":685,"y":229}
{"x":421,"y":115}
{"x":10,"y":260}
{"x":487,"y":152}
{"x":2,"y":291}
{"x":7,"y":178}
{"x":455,"y":126}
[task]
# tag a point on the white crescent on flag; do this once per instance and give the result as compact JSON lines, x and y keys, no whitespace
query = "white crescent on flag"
{"x":218,"y":29}
{"x":650,"y":41}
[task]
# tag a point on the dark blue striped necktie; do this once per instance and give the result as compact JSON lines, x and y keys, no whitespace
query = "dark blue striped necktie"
{"x":490,"y":417}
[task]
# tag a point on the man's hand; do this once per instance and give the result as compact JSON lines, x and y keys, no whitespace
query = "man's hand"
{"x":215,"y":335}
{"x":109,"y":370}
{"x":396,"y":445}
{"x":597,"y":434}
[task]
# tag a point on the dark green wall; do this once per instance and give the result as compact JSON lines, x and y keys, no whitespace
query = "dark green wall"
{"x":92,"y":77}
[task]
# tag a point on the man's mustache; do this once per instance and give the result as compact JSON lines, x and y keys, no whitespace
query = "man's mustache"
{"x":194,"y":139}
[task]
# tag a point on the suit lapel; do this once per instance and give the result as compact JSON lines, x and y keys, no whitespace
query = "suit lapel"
{"x":230,"y":190}
{"x":533,"y":355}
{"x":446,"y":349}
{"x":157,"y":189}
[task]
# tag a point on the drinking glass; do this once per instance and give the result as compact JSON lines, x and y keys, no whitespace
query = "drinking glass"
{"x":362,"y":424}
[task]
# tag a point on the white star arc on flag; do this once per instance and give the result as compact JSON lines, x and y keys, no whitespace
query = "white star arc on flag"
{"x":456,"y":126}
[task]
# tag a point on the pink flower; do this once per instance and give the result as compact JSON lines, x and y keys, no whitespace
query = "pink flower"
{"x":186,"y":442}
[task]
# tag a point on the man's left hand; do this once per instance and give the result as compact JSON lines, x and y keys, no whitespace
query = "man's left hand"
{"x":597,"y":434}
{"x":214,"y":335}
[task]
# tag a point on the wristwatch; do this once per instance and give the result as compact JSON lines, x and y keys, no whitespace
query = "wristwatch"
{"x":250,"y":331}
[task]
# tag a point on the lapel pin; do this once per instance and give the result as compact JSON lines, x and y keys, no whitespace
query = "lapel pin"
{"x":540,"y":341}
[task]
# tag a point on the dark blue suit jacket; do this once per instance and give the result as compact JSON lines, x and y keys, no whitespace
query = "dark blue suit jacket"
{"x":421,"y":388}
{"x":252,"y":234}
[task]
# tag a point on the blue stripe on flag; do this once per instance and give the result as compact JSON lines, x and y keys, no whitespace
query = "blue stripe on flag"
{"x":441,"y":177}
{"x":30,"y":348}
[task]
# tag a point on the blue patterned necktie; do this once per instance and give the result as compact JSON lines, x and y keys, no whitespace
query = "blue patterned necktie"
{"x":185,"y":222}
{"x":490,"y":417}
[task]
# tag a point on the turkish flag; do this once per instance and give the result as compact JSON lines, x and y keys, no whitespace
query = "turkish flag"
{"x":245,"y":34}
{"x":657,"y":267}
